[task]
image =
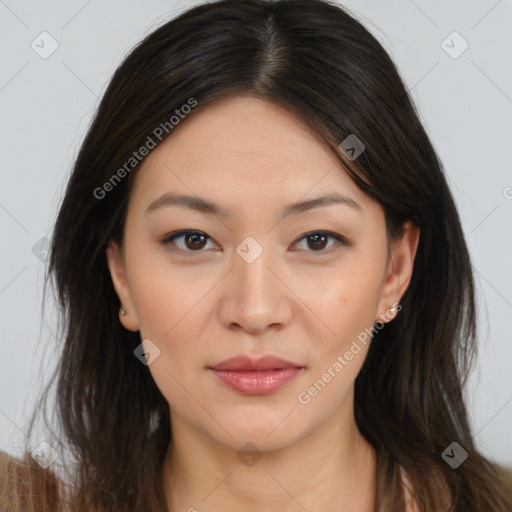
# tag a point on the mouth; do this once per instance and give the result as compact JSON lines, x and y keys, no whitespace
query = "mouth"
{"x":250,"y":376}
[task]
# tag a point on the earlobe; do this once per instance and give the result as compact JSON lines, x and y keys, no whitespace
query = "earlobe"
{"x":117,"y":267}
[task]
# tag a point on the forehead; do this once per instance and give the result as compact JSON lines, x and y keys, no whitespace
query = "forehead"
{"x":247,"y":147}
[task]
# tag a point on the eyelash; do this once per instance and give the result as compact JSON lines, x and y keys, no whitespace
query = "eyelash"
{"x":339,"y":239}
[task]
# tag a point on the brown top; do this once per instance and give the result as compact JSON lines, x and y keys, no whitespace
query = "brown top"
{"x":14,"y":475}
{"x":23,"y":490}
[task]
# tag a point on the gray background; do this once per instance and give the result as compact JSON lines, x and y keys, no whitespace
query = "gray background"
{"x":465,"y":99}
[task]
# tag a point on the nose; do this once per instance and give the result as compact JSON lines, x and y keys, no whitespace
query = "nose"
{"x":255,"y":297}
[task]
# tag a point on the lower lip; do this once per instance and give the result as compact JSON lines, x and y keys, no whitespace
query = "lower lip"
{"x":261,"y":382}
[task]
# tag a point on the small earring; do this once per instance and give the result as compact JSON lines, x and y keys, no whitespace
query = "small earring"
{"x":122,"y":311}
{"x":394,"y":309}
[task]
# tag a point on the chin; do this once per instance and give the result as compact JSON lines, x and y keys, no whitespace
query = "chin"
{"x":255,"y":444}
{"x":264,"y":436}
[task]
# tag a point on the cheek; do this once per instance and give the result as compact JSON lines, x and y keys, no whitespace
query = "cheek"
{"x":166,"y":318}
{"x":157,"y":307}
{"x":350,"y":310}
{"x":161,"y":297}
{"x":167,"y":308}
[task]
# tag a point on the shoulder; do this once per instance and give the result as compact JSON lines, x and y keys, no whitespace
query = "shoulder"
{"x":24,"y":485}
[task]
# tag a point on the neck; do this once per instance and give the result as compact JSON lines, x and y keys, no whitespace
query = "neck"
{"x":331,"y":469}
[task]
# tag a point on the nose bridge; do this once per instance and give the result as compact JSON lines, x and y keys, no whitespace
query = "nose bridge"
{"x":255,"y":295}
{"x":251,"y":261}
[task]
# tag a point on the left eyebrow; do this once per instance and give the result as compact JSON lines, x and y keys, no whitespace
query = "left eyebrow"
{"x":206,"y":206}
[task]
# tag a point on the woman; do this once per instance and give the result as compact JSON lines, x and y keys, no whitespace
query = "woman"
{"x":267,"y":296}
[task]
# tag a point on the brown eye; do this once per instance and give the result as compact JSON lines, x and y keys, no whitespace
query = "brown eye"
{"x":318,"y":240}
{"x":194,"y":241}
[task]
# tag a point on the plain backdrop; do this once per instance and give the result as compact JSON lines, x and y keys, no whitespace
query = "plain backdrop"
{"x":454,"y":57}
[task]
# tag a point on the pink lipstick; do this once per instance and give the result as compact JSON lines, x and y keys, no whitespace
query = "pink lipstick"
{"x":251,"y":376}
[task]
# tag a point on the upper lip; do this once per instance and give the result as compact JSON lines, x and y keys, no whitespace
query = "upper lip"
{"x":268,"y":362}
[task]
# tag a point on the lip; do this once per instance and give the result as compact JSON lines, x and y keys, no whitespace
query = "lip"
{"x":241,"y":363}
{"x":256,"y":376}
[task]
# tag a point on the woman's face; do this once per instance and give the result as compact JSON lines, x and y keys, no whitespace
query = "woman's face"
{"x":250,"y":283}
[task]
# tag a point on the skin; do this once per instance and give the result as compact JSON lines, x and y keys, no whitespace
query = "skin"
{"x":304,"y":304}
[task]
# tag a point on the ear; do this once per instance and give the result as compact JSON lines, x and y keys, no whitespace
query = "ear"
{"x":117,"y":266}
{"x":399,"y":271}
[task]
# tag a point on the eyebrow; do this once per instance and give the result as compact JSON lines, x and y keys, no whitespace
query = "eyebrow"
{"x":205,"y":206}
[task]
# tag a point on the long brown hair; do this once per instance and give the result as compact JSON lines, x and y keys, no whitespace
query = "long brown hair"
{"x":314,"y":58}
